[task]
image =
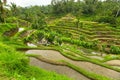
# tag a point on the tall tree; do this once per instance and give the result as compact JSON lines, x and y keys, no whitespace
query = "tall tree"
{"x":13,"y":9}
{"x":2,"y":10}
{"x":90,"y":6}
{"x":62,"y":6}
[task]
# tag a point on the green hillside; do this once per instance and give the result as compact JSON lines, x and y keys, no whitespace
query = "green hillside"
{"x":65,"y":40}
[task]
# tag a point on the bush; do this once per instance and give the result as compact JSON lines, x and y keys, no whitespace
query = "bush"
{"x":39,"y":23}
{"x":35,"y":36}
{"x":50,"y":37}
{"x":59,"y":41}
{"x":107,"y":19}
{"x":82,"y":37}
{"x":115,"y":50}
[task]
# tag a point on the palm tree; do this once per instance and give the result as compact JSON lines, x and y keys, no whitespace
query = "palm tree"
{"x":13,"y":8}
{"x":2,"y":11}
{"x":4,"y":1}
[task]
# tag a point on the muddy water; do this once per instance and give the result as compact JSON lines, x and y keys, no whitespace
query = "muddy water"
{"x":59,"y":69}
{"x":54,"y":55}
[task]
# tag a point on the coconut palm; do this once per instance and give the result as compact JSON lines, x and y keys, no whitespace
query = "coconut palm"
{"x":13,"y":8}
{"x":4,"y":2}
{"x":2,"y":11}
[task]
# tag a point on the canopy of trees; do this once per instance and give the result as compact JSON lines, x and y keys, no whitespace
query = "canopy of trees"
{"x":107,"y":11}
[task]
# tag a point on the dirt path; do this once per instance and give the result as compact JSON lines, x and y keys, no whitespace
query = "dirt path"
{"x":54,"y":55}
{"x":113,"y":62}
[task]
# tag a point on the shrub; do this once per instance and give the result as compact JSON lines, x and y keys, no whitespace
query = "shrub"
{"x":59,"y":41}
{"x":39,"y":23}
{"x":50,"y":37}
{"x":34,"y":36}
{"x":107,"y":19}
{"x":115,"y":50}
{"x":40,"y":35}
{"x":82,"y":37}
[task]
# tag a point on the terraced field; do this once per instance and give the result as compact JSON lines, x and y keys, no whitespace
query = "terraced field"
{"x":91,"y":31}
{"x":78,"y":58}
{"x":62,"y":62}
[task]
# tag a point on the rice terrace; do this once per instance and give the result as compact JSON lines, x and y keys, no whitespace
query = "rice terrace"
{"x":60,"y":40}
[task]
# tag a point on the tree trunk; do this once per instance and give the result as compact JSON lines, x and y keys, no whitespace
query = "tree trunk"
{"x":117,"y":13}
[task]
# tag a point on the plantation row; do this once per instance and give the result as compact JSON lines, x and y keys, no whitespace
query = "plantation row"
{"x":97,"y":35}
{"x":86,"y":25}
{"x":53,"y":37}
{"x":93,"y":45}
{"x":114,"y":39}
{"x":90,"y":32}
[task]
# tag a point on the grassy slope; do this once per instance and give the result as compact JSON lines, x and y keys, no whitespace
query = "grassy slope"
{"x":86,"y":73}
{"x":90,"y":30}
{"x":25,"y":72}
{"x":15,"y":65}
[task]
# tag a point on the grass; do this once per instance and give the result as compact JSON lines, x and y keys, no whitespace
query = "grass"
{"x":39,"y":57}
{"x":6,"y":27}
{"x":82,"y":57}
{"x":88,"y":34}
{"x":71,"y":55}
{"x":90,"y":75}
{"x":86,"y":73}
{"x":82,"y":71}
{"x":35,"y":73}
{"x":15,"y":65}
{"x":111,"y":57}
{"x":91,"y":31}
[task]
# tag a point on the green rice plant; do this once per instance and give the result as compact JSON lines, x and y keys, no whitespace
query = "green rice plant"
{"x":89,"y":45}
{"x":12,"y":60}
{"x":5,"y":49}
{"x":86,"y":73}
{"x":15,"y":65}
{"x":6,"y":27}
{"x":115,"y":50}
{"x":111,"y":57}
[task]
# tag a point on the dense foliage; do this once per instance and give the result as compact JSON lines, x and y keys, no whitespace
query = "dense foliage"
{"x":41,"y":17}
{"x":107,"y":11}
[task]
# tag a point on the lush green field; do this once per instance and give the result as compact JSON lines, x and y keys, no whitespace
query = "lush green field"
{"x":85,"y":31}
{"x":15,"y":65}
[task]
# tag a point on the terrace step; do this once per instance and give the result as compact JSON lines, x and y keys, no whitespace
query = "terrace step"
{"x":88,"y":32}
{"x":105,"y":36}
